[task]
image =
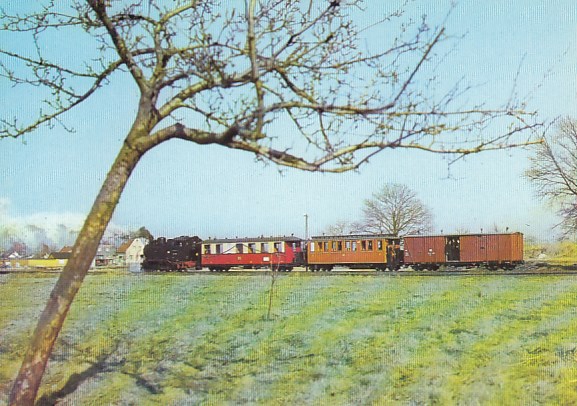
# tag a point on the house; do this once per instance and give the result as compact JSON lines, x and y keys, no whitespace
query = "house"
{"x":131,"y":253}
{"x":105,"y":255}
{"x":60,"y":255}
{"x":15,"y":255}
{"x":14,"y":260}
{"x":55,"y":260}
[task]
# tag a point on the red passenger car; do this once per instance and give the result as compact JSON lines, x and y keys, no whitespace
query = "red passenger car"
{"x":377,"y":251}
{"x":492,"y":250}
{"x":278,"y":253}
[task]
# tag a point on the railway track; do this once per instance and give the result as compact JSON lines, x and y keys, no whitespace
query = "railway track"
{"x":525,"y":269}
{"x":540,"y":268}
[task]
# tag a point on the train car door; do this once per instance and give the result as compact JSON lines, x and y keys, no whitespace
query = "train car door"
{"x":453,"y":248}
{"x":394,"y":256}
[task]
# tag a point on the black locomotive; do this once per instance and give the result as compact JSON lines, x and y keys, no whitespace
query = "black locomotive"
{"x":173,"y":254}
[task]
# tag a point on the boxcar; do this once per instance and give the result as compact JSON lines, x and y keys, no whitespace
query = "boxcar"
{"x":492,"y":250}
{"x":277,"y":253}
{"x":378,"y":251}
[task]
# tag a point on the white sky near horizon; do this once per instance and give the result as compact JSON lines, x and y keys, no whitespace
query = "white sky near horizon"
{"x":180,"y":188}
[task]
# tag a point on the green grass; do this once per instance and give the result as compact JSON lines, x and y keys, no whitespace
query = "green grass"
{"x":205,"y":339}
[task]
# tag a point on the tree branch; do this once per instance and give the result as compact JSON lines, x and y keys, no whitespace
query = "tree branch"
{"x":99,"y":7}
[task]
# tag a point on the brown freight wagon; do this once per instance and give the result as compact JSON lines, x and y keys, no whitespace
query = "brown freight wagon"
{"x":492,"y":250}
{"x":378,"y":251}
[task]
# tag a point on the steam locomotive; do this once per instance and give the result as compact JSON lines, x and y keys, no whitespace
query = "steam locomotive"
{"x":176,"y":254}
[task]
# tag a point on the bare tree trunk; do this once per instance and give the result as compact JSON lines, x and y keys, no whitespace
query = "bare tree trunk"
{"x":271,"y":292}
{"x":273,"y":276}
{"x":25,"y":387}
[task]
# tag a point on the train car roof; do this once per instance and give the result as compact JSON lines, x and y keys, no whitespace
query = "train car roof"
{"x":460,"y":235}
{"x":291,"y":238}
{"x":353,"y":236}
{"x":181,"y":238}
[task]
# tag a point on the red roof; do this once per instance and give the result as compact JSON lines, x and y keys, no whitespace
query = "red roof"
{"x":122,"y":249}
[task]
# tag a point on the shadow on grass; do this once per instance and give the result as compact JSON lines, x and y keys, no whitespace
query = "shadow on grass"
{"x":104,"y":363}
{"x":74,"y":381}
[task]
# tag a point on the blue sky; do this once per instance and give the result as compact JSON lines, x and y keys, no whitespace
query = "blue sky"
{"x":53,"y":176}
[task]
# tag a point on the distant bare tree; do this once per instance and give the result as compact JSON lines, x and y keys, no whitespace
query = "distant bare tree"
{"x":395,"y":209}
{"x":8,"y":234}
{"x":554,"y":172}
{"x":142,"y":232}
{"x":341,"y":227}
{"x":292,"y":82}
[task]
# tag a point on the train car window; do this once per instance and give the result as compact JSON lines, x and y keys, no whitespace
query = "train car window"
{"x":319,"y":246}
{"x":277,"y":247}
{"x":207,"y":249}
{"x":333,"y":245}
{"x":326,"y":246}
{"x":370,"y":245}
{"x":312,"y":246}
{"x":239,"y":248}
{"x":218,"y":248}
{"x":251,"y":247}
{"x":354,"y":245}
{"x":339,"y":246}
{"x":264,"y":247}
{"x":363,"y":245}
{"x":379,"y":245}
{"x":348,"y":245}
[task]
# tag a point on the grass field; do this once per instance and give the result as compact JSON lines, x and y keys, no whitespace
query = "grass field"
{"x":205,"y":339}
